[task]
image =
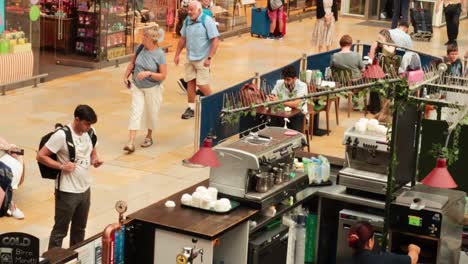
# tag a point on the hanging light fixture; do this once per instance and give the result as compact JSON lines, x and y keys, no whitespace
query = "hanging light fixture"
{"x":205,"y":156}
{"x":440,"y":177}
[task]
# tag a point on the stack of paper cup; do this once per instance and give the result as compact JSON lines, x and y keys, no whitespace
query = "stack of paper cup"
{"x":213,"y":192}
{"x":205,"y":202}
{"x":196,"y":199}
{"x":186,"y":199}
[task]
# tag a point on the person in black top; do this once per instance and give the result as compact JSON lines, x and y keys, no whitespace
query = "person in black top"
{"x":361,"y":240}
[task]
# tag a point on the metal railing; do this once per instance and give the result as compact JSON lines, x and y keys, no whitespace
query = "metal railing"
{"x":3,"y":86}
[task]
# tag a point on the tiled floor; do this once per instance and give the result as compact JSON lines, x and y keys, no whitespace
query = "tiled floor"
{"x":150,"y":174}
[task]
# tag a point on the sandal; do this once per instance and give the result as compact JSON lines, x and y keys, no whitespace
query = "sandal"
{"x":129,"y":148}
{"x":148,"y":142}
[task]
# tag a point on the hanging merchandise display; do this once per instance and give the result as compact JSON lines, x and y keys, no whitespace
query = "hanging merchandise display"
{"x":34,"y":13}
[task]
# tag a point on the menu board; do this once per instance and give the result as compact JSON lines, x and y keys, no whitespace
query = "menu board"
{"x":2,"y":16}
{"x":18,"y":247}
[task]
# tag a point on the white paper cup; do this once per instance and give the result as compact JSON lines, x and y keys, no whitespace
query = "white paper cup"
{"x":196,"y":199}
{"x":308,"y":76}
{"x":186,"y":199}
{"x":213,"y":192}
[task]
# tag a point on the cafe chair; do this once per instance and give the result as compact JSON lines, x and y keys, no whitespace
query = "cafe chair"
{"x":343,"y":77}
{"x":312,"y":110}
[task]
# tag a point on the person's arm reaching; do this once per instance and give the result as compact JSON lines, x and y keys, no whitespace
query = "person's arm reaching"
{"x":413,"y":253}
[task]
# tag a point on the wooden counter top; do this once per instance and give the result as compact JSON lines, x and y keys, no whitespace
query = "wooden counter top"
{"x":192,"y":221}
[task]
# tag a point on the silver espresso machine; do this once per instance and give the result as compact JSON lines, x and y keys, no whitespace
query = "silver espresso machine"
{"x":258,"y":169}
{"x":431,"y":218}
{"x":367,"y":157}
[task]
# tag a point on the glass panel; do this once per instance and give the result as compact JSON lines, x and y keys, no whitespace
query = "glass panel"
{"x":114,"y":24}
{"x":19,"y":39}
{"x":357,"y":7}
{"x":87,"y":31}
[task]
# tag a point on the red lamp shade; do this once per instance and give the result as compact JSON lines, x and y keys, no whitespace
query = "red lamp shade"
{"x":440,"y":177}
{"x":205,"y":155}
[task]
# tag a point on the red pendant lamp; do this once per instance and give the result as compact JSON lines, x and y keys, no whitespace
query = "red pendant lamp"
{"x":205,"y":156}
{"x":440,"y":177}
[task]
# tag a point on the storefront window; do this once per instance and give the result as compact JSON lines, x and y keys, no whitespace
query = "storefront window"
{"x":19,"y":40}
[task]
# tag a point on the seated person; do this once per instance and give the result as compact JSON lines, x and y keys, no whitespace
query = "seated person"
{"x":455,"y":67}
{"x":400,"y":35}
{"x":361,"y":240}
{"x":377,"y":48}
{"x":16,"y":164}
{"x":410,"y":62}
{"x":346,"y":59}
{"x":290,"y":87}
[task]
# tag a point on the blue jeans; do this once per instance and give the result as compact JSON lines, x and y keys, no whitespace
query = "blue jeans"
{"x":400,"y":9}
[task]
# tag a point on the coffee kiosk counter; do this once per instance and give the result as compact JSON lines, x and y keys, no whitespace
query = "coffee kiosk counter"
{"x":191,"y":221}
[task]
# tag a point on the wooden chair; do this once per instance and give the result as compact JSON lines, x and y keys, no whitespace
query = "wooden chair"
{"x":312,"y":110}
{"x":343,"y":77}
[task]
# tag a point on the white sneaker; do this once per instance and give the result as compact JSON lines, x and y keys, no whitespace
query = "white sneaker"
{"x":18,"y":214}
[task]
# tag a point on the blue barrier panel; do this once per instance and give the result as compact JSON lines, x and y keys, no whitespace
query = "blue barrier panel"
{"x":271,"y":77}
{"x":210,"y":121}
{"x":320,"y":61}
{"x":426,"y":60}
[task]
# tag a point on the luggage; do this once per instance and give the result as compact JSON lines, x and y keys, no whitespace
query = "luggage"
{"x":421,"y":19}
{"x":260,"y":23}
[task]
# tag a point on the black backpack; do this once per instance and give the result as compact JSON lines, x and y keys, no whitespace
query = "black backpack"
{"x":6,"y":175}
{"x":51,"y":173}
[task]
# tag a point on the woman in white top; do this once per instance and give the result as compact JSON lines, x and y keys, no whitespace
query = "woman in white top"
{"x":452,"y":10}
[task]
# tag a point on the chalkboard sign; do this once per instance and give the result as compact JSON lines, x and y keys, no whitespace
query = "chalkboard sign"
{"x":18,"y":248}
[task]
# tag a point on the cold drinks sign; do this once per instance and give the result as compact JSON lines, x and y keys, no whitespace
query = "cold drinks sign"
{"x":19,"y":248}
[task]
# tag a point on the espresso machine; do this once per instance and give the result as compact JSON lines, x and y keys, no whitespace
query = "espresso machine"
{"x":367,"y":158}
{"x":258,"y":169}
{"x":431,"y":218}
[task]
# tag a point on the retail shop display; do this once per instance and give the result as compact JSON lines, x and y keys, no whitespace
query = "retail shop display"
{"x":116,"y":20}
{"x":88,"y":28}
{"x":245,"y":162}
{"x":14,"y":41}
{"x":228,"y":14}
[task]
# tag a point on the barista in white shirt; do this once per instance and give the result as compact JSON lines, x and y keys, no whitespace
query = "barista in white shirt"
{"x":290,"y":87}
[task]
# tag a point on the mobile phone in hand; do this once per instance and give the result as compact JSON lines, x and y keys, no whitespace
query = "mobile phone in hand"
{"x":19,"y":152}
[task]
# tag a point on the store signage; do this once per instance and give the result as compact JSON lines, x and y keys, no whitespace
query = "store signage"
{"x":18,"y":248}
{"x":2,"y":16}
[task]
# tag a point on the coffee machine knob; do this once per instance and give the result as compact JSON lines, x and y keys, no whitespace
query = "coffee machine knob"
{"x":348,"y":141}
{"x":356,"y":142}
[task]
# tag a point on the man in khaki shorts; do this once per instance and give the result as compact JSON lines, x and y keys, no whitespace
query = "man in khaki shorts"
{"x":200,"y":36}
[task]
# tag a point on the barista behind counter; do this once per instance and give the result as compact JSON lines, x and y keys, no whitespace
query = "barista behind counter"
{"x":290,"y":87}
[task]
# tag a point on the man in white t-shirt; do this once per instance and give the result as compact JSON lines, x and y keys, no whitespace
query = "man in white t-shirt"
{"x":72,"y":192}
{"x":290,"y":87}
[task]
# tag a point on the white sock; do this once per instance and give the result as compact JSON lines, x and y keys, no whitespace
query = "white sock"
{"x":191,"y":106}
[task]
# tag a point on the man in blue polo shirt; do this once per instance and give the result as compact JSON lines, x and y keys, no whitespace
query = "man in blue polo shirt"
{"x":200,"y":36}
